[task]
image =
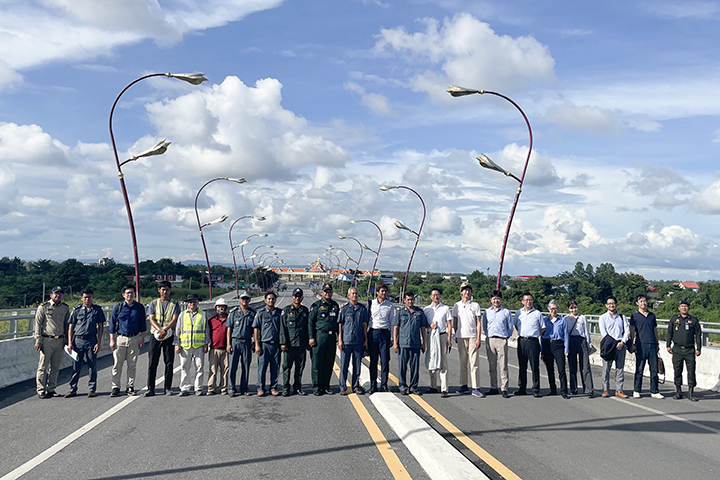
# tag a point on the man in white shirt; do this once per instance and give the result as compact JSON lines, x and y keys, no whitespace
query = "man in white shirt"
{"x":614,"y":325}
{"x":379,"y":335}
{"x":468,"y":328}
{"x":439,"y":317}
{"x":530,"y":326}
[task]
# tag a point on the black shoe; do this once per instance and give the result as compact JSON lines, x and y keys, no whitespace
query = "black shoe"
{"x":359,"y":391}
{"x":184,"y":393}
{"x":150,"y":393}
{"x":404,"y":391}
{"x":318,"y":393}
{"x":384,"y":388}
{"x":537,"y":395}
{"x":198,"y":393}
{"x":431,"y":390}
{"x":286,"y":393}
{"x":43,"y":395}
{"x":115,"y":392}
{"x":493,"y":391}
{"x":565,"y":396}
{"x":415,"y":391}
{"x":574,"y":392}
{"x":444,"y":395}
{"x":552,"y":394}
{"x":70,"y":394}
{"x":130,"y":391}
{"x":300,"y":392}
{"x":520,"y":393}
{"x":373,"y":389}
{"x":678,"y":396}
{"x":329,"y":392}
{"x":504,"y":394}
{"x":591,"y":395}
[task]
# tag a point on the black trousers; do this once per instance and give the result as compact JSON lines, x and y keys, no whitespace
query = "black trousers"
{"x":553,"y":354}
{"x":580,"y":353}
{"x":529,"y":352}
{"x":686,"y":354}
{"x":168,"y":351}
{"x":379,"y":348}
{"x":293,"y":356}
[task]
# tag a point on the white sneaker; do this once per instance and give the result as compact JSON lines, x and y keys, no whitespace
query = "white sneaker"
{"x":659,"y":396}
{"x":636,"y":394}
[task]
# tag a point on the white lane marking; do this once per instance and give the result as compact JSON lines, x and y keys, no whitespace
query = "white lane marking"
{"x":435,"y":454}
{"x":40,"y":458}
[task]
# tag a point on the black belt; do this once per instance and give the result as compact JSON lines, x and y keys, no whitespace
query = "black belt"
{"x":683,"y":346}
{"x":328,"y":333}
{"x":241,"y":339}
{"x":528,"y":338}
{"x":85,"y":336}
{"x":443,"y":333}
{"x":53,"y":336}
{"x":556,"y":341}
{"x":128,"y":336}
{"x":504,"y":338}
{"x":270,"y":342}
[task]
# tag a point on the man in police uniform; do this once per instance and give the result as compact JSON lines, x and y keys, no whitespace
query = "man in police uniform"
{"x":684,"y":341}
{"x":409,"y":340}
{"x":322,"y":330}
{"x":267,"y":338}
{"x":192,"y":336}
{"x":84,"y":337}
{"x":162,"y":315}
{"x":51,"y":320}
{"x":239,"y":344}
{"x":382,"y":313}
{"x":352,"y":338}
{"x":294,"y":342}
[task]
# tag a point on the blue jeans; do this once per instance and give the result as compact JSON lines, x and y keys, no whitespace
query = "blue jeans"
{"x":270,"y":356}
{"x":379,"y":347}
{"x":646,"y":352}
{"x":409,"y":357}
{"x":84,"y":349}
{"x":241,"y":352}
{"x":356,"y":352}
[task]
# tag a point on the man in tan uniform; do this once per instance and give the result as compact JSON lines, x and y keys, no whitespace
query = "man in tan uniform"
{"x":51,"y":321}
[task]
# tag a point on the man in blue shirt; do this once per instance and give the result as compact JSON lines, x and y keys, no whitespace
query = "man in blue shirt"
{"x":530,"y":326}
{"x":84,"y":335}
{"x":497,"y":325}
{"x":352,"y":338}
{"x":644,"y":324}
{"x":239,"y":344}
{"x":555,"y":348}
{"x":409,"y":340}
{"x":267,"y":344}
{"x":127,"y":336}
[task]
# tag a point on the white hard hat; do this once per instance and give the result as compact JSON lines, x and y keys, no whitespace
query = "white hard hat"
{"x":220,"y":301}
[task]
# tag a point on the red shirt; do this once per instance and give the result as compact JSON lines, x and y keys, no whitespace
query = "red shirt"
{"x":219,"y":332}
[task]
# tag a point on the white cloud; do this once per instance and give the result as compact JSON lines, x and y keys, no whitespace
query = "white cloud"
{"x":444,"y":220}
{"x":583,"y":118}
{"x":376,"y":103}
{"x":683,"y":10}
{"x":30,"y":145}
{"x":35,"y":202}
{"x":34,"y":33}
{"x":469,"y":53}
{"x":708,"y":201}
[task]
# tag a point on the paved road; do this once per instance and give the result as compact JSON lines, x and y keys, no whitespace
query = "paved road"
{"x":325,"y":437}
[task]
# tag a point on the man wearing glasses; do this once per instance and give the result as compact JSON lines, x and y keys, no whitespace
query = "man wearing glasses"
{"x":51,"y":321}
{"x":614,"y":327}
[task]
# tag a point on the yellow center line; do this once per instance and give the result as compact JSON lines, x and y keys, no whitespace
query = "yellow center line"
{"x":483,"y":454}
{"x":386,"y":451}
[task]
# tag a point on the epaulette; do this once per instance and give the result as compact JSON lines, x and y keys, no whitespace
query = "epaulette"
{"x":77,"y":306}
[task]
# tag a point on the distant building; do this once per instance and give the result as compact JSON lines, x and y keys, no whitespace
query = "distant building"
{"x":691,"y":285}
{"x":526,"y":277}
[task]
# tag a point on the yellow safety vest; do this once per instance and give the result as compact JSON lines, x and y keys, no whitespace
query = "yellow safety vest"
{"x":193,"y":332}
{"x":160,"y":318}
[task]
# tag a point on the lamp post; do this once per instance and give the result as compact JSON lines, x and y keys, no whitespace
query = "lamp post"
{"x":377,"y":254}
{"x":489,"y":164}
{"x":159,"y":149}
{"x":400,"y":225}
{"x":333,"y":263}
{"x":347,"y":259}
{"x":232,"y":250}
{"x":341,"y":237}
{"x":254,"y":255}
{"x":242,"y":251}
{"x":219,"y":220}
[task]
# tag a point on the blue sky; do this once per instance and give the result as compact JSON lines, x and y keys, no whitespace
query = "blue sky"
{"x":319,"y":103}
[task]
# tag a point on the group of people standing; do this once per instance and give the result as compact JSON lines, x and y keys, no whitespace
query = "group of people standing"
{"x":281,"y":338}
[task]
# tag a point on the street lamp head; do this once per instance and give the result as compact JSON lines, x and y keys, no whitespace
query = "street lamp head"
{"x":490,"y":165}
{"x":158,"y":149}
{"x":262,"y":219}
{"x":401,"y":226}
{"x":263,"y":235}
{"x":456,"y":91}
{"x":368,"y":248}
{"x":353,"y":221}
{"x":254,"y":255}
{"x":341,"y":237}
{"x":192,"y":78}
{"x":236,"y":180}
{"x":217,"y":220}
{"x":385,"y":188}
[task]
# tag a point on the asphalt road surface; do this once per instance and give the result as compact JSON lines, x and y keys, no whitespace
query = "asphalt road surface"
{"x":335,"y":437}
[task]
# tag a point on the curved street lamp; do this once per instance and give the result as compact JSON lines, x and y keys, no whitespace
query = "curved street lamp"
{"x":159,"y":149}
{"x":400,"y":225}
{"x":232,"y":250}
{"x":377,"y":254}
{"x":254,"y":255}
{"x":242,"y":251}
{"x":347,"y":259}
{"x":341,"y":237}
{"x":333,"y":263}
{"x":219,"y":220}
{"x":489,"y":164}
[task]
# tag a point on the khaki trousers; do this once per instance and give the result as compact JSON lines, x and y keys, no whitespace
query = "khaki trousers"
{"x":191,"y":368}
{"x":218,"y":358}
{"x":469,"y":354}
{"x":497,"y":352}
{"x":126,"y":350}
{"x":51,"y":354}
{"x":443,"y":372}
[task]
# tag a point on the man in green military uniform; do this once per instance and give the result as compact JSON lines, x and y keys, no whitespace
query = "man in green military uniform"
{"x":322,"y":330}
{"x":684,"y":340}
{"x":51,"y":322}
{"x":294,"y":342}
